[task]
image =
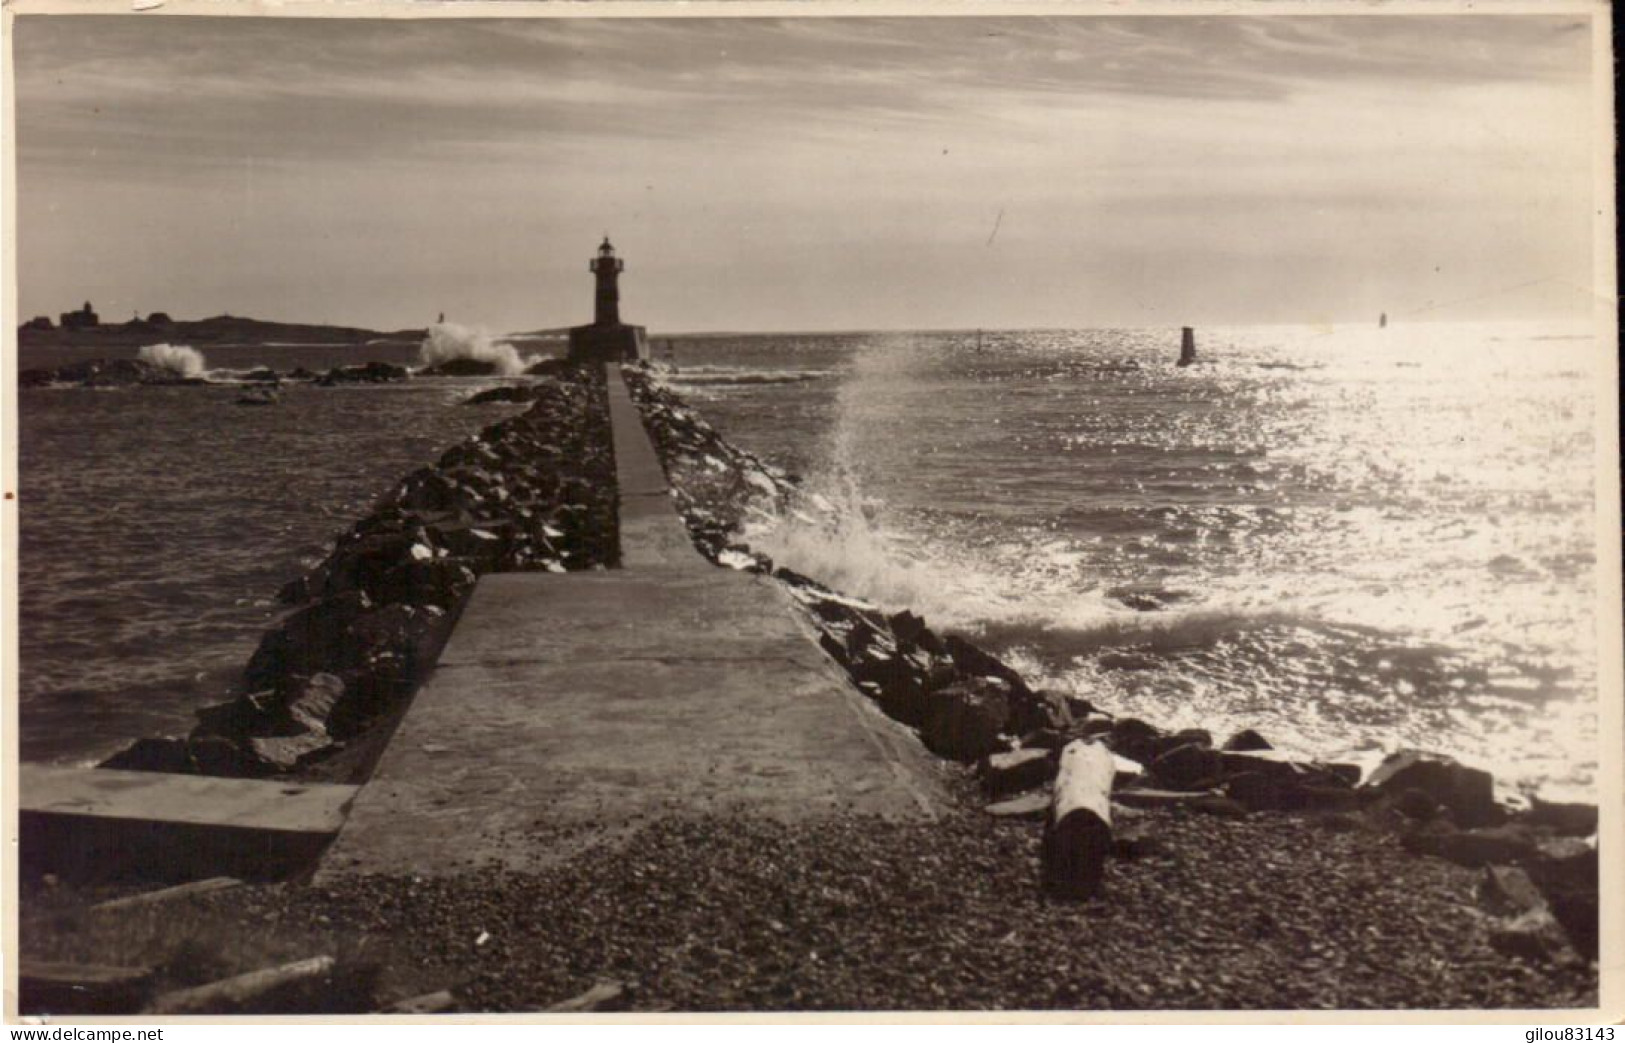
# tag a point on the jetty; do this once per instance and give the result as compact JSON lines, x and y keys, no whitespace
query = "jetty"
{"x":569,"y":708}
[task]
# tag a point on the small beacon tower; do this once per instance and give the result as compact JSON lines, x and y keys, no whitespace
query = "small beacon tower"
{"x":607,"y":339}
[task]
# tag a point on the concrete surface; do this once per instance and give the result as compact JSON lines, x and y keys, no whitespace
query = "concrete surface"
{"x":566,"y":709}
{"x":652,"y":535}
{"x":98,"y":823}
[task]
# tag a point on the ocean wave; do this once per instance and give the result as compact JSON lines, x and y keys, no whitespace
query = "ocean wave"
{"x":729,"y":375}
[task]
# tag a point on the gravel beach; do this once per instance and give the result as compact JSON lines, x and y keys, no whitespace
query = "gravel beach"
{"x":1271,"y":911}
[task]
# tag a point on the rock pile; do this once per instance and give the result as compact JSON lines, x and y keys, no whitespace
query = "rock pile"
{"x":715,"y":484}
{"x":461,"y":367}
{"x":532,"y":492}
{"x":102,"y":373}
{"x":369,"y":373}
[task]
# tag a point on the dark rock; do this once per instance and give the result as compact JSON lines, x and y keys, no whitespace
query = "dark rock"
{"x":1043,"y":709}
{"x":309,"y":640}
{"x":974,"y":662}
{"x":370,"y":373}
{"x":964,"y":721}
{"x":1190,"y":766}
{"x":1571,"y":819}
{"x":1133,"y":738}
{"x":1468,"y":792}
{"x":1199,"y":736}
{"x":441,"y":582}
{"x":218,"y":755}
{"x":906,"y":627}
{"x":1508,"y":891}
{"x":1341,"y":774}
{"x":1415,"y":804}
{"x":1472,"y":847}
{"x":549,"y":368}
{"x":1534,"y":935}
{"x":461,"y":367}
{"x":1047,"y":739}
{"x":1566,"y":873}
{"x":262,"y":374}
{"x":152,"y":754}
{"x":1015,"y":771}
{"x":315,"y":702}
{"x":1081,"y":708}
{"x":485,"y":543}
{"x":506,"y":393}
{"x":1091,"y":728}
{"x":1245,"y":740}
{"x":301,"y":373}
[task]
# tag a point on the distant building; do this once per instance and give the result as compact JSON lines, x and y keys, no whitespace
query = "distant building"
{"x":38,"y":322}
{"x":84,"y":318}
{"x":160,"y":318}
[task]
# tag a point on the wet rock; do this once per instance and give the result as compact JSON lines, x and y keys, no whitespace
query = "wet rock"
{"x":1189,"y":766}
{"x":285,"y":753}
{"x":506,"y":393}
{"x":461,"y":367}
{"x":1472,"y":847}
{"x":218,"y":755}
{"x":1043,"y":709}
{"x":152,"y":754}
{"x":1570,"y":819}
{"x":1508,"y":891}
{"x":1533,"y":935}
{"x":1468,"y":792}
{"x":1016,"y":770}
{"x":308,"y":641}
{"x":1246,"y":740}
{"x":1565,"y":871}
{"x":1133,"y":738}
{"x":1415,"y":804}
{"x":973,"y":662}
{"x":549,"y":368}
{"x":964,"y":721}
{"x":370,"y":373}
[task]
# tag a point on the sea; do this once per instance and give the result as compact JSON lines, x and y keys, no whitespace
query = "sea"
{"x":1351,"y":539}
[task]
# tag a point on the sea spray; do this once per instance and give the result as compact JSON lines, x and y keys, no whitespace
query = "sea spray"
{"x":448,"y":341}
{"x":176,"y":358}
{"x":856,"y":541}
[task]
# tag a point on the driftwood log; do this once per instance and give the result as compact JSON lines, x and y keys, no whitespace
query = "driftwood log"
{"x":242,"y":993}
{"x":1078,"y":832}
{"x":169,"y":894}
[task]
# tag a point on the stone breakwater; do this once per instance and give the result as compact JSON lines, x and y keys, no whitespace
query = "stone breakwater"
{"x":1539,"y":863}
{"x":533,"y":492}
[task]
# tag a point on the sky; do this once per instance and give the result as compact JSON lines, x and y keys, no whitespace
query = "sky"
{"x":807,"y":173}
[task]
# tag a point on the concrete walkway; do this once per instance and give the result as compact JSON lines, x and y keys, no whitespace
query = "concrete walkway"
{"x":568,"y":709}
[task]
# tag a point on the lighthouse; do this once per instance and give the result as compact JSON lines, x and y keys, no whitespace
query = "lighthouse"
{"x":606,"y":269}
{"x":608,"y":339}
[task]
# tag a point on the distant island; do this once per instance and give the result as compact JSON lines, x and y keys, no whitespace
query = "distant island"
{"x":84,"y":328}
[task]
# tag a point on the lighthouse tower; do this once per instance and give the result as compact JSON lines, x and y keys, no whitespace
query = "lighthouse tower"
{"x":607,"y":269}
{"x":607,"y":339}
